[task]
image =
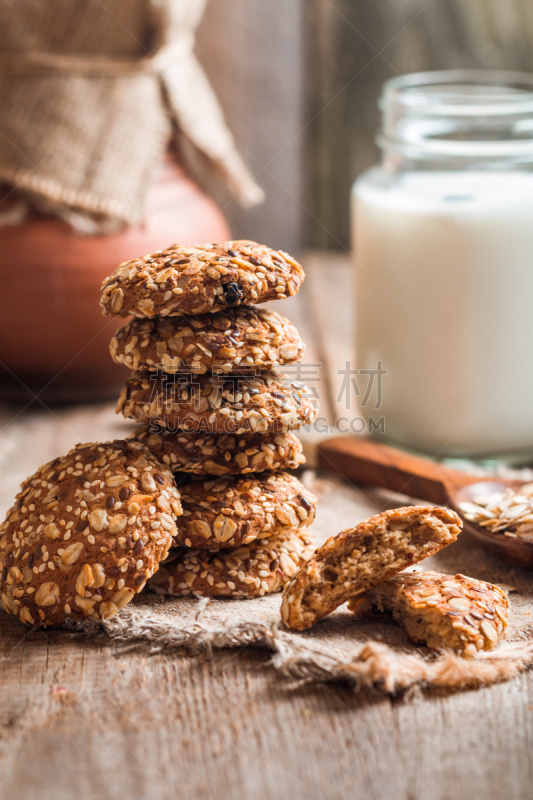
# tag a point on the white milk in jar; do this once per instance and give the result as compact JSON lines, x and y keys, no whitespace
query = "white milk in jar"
{"x":443,"y":251}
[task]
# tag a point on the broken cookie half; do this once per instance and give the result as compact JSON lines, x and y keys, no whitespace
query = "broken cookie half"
{"x":442,"y":611}
{"x":360,"y":558}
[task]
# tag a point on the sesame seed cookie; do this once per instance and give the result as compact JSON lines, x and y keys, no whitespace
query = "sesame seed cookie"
{"x":86,"y":532}
{"x":199,"y":280}
{"x":223,"y":454}
{"x":359,"y":558}
{"x":253,"y":570}
{"x":218,"y":404}
{"x":235,"y":510}
{"x":237,"y":340}
{"x":442,"y":611}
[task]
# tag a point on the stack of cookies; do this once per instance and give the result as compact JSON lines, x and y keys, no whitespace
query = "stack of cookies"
{"x":214,"y":409}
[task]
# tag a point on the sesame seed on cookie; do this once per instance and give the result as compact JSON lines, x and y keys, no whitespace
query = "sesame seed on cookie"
{"x":253,"y":570}
{"x":222,"y":454}
{"x":235,"y":510}
{"x":86,"y":532}
{"x":201,"y":279}
{"x":218,"y":404}
{"x":237,"y":340}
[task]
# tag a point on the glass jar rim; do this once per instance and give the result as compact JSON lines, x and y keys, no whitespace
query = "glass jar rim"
{"x":506,"y":93}
{"x":481,"y":115}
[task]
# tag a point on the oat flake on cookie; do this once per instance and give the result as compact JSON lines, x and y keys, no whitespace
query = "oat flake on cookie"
{"x":254,"y":570}
{"x":452,"y":612}
{"x":221,"y":454}
{"x":199,"y":280}
{"x":235,"y":509}
{"x":269,"y":402}
{"x":86,"y":532}
{"x":238,"y":340}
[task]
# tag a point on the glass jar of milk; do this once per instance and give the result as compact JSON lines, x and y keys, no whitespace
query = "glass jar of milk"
{"x":443,"y":248}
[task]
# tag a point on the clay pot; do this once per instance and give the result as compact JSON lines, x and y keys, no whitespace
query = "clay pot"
{"x":54,"y":340}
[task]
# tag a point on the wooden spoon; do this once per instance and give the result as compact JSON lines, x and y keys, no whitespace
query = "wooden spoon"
{"x":374,"y":464}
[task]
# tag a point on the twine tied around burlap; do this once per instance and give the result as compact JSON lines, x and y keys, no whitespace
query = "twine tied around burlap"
{"x":374,"y":652}
{"x":89,"y":95}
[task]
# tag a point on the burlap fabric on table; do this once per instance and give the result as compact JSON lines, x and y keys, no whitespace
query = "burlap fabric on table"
{"x":371,"y":653}
{"x":88,"y":95}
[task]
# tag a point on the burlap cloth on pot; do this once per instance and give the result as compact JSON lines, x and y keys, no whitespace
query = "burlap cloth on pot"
{"x":89,"y":95}
{"x":372,"y":653}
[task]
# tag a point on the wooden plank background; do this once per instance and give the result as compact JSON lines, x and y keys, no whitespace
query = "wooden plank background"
{"x":299,"y":80}
{"x":252,"y":51}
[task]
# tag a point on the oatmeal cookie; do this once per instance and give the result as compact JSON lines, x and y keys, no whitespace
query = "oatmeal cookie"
{"x":86,"y":532}
{"x":238,"y":340}
{"x":223,"y":454}
{"x":359,"y":558}
{"x":199,"y":280}
{"x":443,"y":611}
{"x":235,"y":510}
{"x":253,"y":570}
{"x":269,"y":402}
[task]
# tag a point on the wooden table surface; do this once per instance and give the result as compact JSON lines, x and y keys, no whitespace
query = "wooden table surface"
{"x":82,"y":719}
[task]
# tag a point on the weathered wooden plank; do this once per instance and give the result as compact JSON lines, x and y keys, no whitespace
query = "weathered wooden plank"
{"x":79,"y":720}
{"x":154,"y":728}
{"x":468,"y":745}
{"x":252,"y":52}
